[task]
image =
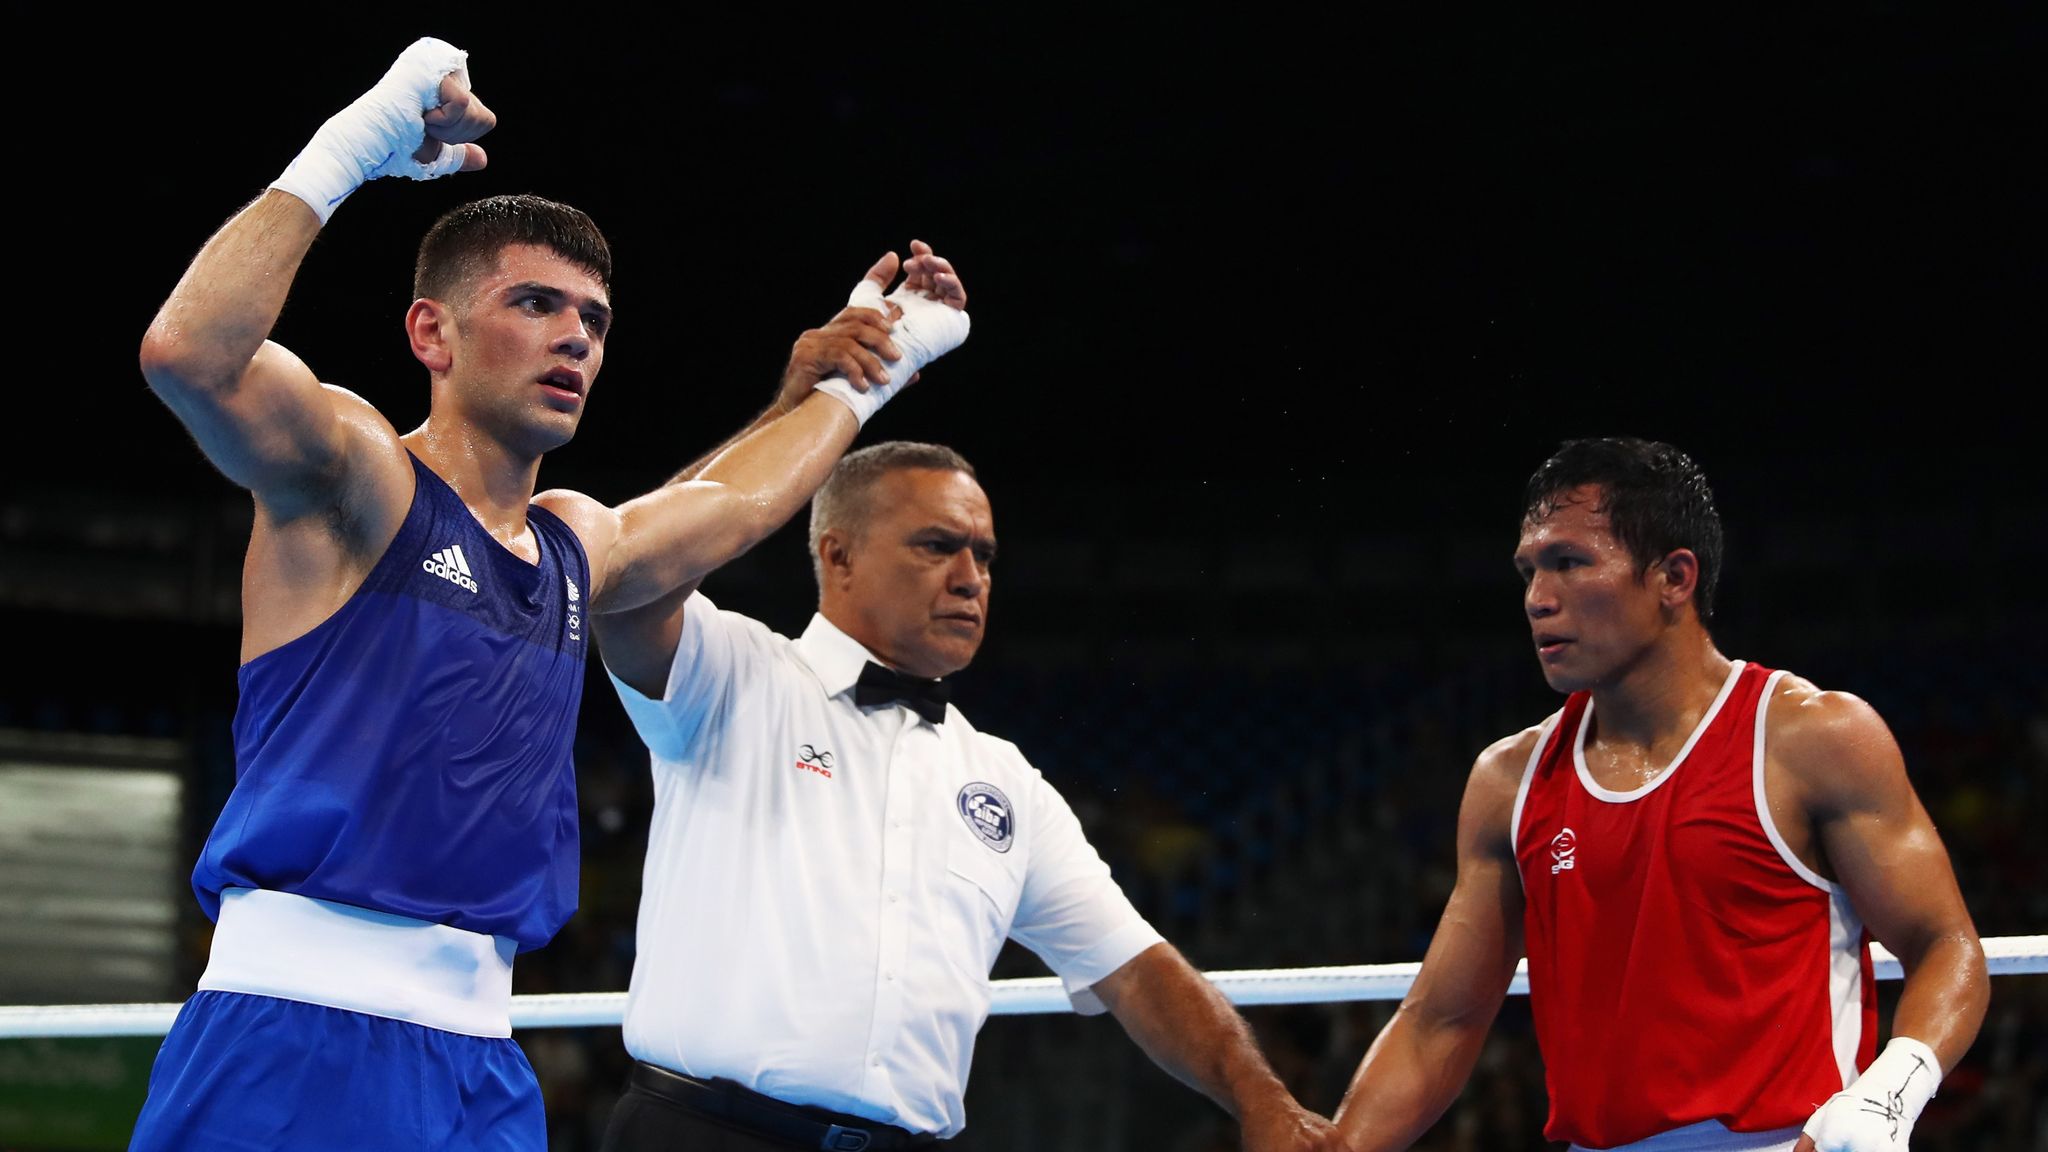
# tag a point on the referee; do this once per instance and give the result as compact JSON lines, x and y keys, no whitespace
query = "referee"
{"x":837,"y":856}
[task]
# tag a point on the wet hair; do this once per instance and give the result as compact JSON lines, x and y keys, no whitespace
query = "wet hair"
{"x":1655,"y":498}
{"x":463,"y":245}
{"x":842,"y":503}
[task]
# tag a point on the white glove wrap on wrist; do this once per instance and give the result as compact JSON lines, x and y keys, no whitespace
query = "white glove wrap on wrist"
{"x":927,"y":330}
{"x":1877,"y":1112}
{"x":378,"y":134}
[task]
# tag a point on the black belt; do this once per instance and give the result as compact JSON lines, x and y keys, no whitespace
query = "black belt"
{"x":766,"y":1116}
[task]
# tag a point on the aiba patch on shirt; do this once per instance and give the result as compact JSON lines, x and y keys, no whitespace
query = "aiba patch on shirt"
{"x":987,"y":811}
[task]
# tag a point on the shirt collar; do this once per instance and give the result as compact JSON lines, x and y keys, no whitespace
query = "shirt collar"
{"x":836,"y":657}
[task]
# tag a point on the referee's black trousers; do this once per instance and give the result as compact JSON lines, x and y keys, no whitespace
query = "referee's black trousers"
{"x":664,"y":1111}
{"x":644,"y":1122}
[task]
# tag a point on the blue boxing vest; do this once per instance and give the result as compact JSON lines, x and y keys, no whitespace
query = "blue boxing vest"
{"x":412,"y":754}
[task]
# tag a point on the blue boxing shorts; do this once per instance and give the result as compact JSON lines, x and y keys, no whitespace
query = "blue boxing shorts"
{"x":243,"y":1072}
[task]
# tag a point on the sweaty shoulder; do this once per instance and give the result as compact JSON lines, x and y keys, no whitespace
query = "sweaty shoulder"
{"x":316,"y":538}
{"x":1832,"y":746}
{"x":1504,"y":761}
{"x":1486,"y":819}
{"x":596,"y":526}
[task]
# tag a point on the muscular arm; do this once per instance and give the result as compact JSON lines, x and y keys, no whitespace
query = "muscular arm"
{"x":1190,"y":1029}
{"x":257,"y":411}
{"x":260,"y":415}
{"x":853,"y":345}
{"x":329,"y":477}
{"x":1423,"y":1057}
{"x":639,"y":643}
{"x":658,"y":547}
{"x":680,"y":532}
{"x":1877,"y":839}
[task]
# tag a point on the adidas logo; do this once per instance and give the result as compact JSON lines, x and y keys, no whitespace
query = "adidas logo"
{"x":449,"y":565}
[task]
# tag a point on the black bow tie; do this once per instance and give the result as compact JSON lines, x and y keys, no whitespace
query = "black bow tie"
{"x":879,"y":685}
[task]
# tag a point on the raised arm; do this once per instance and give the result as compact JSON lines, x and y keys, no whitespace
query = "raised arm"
{"x":1425,"y":1054}
{"x":655,"y":548}
{"x":639,"y":643}
{"x":1190,"y":1029}
{"x":1846,"y":771}
{"x":259,"y":414}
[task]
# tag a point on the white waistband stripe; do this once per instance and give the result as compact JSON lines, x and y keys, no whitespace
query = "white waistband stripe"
{"x":318,"y":952}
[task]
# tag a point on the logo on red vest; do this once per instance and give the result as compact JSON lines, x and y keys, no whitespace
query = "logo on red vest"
{"x":1561,"y":848}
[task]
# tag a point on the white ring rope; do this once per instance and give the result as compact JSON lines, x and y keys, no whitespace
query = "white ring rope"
{"x":2004,"y":956}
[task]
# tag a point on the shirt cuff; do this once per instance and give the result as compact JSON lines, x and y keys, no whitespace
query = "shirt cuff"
{"x":656,"y":720}
{"x":1121,"y":946}
{"x":650,"y":719}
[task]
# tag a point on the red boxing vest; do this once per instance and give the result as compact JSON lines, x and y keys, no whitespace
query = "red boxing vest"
{"x":1683,"y":964}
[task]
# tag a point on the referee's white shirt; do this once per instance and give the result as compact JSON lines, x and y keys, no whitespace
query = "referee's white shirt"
{"x":828,"y":886}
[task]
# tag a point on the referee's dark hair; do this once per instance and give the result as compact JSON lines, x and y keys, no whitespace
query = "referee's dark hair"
{"x":1655,"y":498}
{"x":842,"y":502}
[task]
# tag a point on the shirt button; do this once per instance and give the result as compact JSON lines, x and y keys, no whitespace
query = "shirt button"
{"x":889,"y":976}
{"x":892,"y":897}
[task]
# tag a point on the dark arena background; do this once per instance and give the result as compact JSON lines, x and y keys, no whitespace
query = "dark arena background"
{"x":1272,"y":320}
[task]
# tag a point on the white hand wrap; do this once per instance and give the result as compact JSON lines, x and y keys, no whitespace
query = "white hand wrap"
{"x":927,"y":330}
{"x":377,"y":135}
{"x":1876,"y":1113}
